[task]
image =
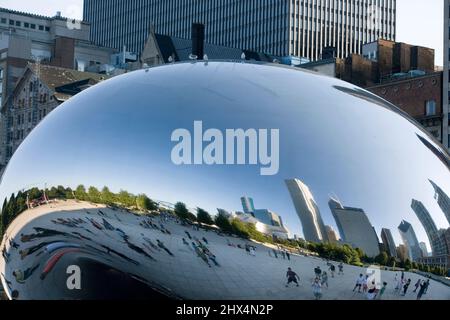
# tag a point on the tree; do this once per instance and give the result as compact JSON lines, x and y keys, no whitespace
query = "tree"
{"x":181,"y":211}
{"x":107,"y":196}
{"x":145,"y":203}
{"x":80,"y":192}
{"x":223,"y":223}
{"x":382,"y":258}
{"x":204,"y":217}
{"x":4,"y":220}
{"x":408,"y":265}
{"x":126,"y":199}
{"x":94,"y":194}
{"x":35,"y":194}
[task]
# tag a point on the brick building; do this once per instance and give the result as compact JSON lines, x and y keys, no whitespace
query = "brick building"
{"x":418,"y":95}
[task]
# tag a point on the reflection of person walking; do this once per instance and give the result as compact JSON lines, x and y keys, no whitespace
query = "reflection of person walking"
{"x":427,"y":285}
{"x":288,"y":255}
{"x":291,"y":277}
{"x":359,"y":283}
{"x":382,"y":290}
{"x":365,"y":284}
{"x":22,"y":276}
{"x":332,"y":269}
{"x":317,"y":288}
{"x":405,"y":287}
{"x":324,"y":279}
{"x":417,"y":285}
{"x":423,"y":286}
{"x":317,"y":271}
{"x":341,"y":268}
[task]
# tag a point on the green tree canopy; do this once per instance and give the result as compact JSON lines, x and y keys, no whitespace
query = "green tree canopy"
{"x":145,"y":203}
{"x":204,"y":217}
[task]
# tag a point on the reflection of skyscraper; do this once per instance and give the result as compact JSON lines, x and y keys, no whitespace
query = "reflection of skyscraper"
{"x":355,"y":228}
{"x":307,"y":210}
{"x":442,"y":199}
{"x":247,"y":204}
{"x":437,"y":247}
{"x":402,"y":252}
{"x":423,"y":247}
{"x":331,"y":234}
{"x":388,"y":241}
{"x":265,"y":216}
{"x":410,"y":240}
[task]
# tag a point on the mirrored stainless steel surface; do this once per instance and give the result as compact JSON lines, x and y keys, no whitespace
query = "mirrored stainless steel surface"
{"x":320,"y":160}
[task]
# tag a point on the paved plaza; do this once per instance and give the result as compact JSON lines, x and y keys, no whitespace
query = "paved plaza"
{"x":42,"y":242}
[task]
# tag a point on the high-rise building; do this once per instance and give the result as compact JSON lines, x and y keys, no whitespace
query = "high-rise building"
{"x":247,"y":204}
{"x":442,"y":199}
{"x":402,"y":252}
{"x":331,"y":234}
{"x":279,"y":27}
{"x":446,"y":86}
{"x":307,"y":210}
{"x":388,"y":242}
{"x":437,"y":247}
{"x":423,"y":247}
{"x":355,"y":228}
{"x":410,"y":240}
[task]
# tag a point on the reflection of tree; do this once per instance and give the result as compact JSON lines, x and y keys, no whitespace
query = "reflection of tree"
{"x":17,"y":204}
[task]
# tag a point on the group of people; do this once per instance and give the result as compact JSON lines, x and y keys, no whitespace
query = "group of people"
{"x":280,"y":252}
{"x":402,"y":285}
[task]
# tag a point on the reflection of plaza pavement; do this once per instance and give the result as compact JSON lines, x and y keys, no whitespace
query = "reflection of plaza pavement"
{"x":238,"y":276}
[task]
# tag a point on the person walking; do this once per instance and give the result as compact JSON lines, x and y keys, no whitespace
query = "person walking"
{"x":417,"y":285}
{"x":317,"y":288}
{"x":372,"y":291}
{"x":318,"y":272}
{"x":291,"y":277}
{"x":427,"y":285}
{"x":422,"y":289}
{"x":406,"y":286}
{"x":365,"y":284}
{"x":332,"y":270}
{"x":382,"y":290}
{"x":288,"y":255}
{"x":324,"y":279}
{"x":359,"y":283}
{"x":341,"y":269}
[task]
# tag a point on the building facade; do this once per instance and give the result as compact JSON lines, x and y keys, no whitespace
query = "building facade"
{"x":39,"y":91}
{"x":442,"y":199}
{"x":437,"y":245}
{"x":355,"y":228}
{"x":54,"y":41}
{"x":420,"y":96}
{"x":247,"y":204}
{"x":410,"y":241}
{"x":446,"y":82}
{"x":307,"y":210}
{"x":300,"y":28}
{"x":331,"y":234}
{"x":388,"y":242}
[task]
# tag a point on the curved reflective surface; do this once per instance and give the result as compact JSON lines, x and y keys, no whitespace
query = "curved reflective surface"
{"x":274,"y":152}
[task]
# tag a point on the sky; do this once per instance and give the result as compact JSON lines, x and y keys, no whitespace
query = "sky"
{"x":419,"y":22}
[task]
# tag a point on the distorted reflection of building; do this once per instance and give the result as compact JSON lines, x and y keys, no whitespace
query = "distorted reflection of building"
{"x":423,"y":247}
{"x":355,"y":228}
{"x":442,"y":199}
{"x":247,"y":204}
{"x":410,"y":240}
{"x":265,"y":221}
{"x":439,"y":260}
{"x":388,"y":242}
{"x":437,"y":245}
{"x":331,"y":234}
{"x":402,"y":252}
{"x":307,"y":211}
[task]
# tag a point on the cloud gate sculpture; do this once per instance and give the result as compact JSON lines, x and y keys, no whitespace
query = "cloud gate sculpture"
{"x":208,"y":180}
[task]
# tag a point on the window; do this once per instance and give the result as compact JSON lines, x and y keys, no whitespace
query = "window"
{"x":3,"y":20}
{"x":18,"y":24}
{"x":41,"y":28}
{"x":11,"y":22}
{"x":32,"y":26}
{"x":47,"y":29}
{"x":26,"y":24}
{"x":430,"y":108}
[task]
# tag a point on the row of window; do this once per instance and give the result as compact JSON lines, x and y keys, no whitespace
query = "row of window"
{"x":17,"y":23}
{"x":43,"y":98}
{"x":20,"y":119}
